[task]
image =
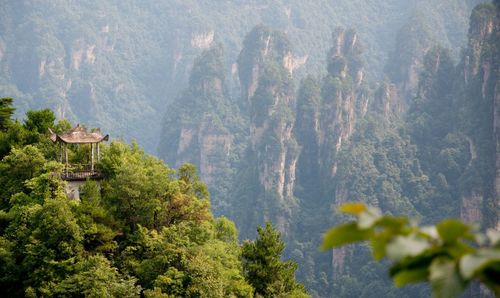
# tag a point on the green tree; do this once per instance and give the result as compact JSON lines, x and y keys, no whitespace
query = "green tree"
{"x":264,"y":269}
{"x":98,"y":225}
{"x":185,"y":260}
{"x":6,"y":111}
{"x":95,"y":277}
{"x":449,"y":255}
{"x":39,"y":120}
{"x":46,"y":242}
{"x":16,"y":168}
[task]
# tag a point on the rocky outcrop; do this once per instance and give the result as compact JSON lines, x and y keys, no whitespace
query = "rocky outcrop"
{"x":340,"y":92}
{"x":82,"y":52}
{"x":481,"y":83}
{"x":428,"y":26}
{"x":215,"y":152}
{"x":198,"y":127}
{"x":202,"y":40}
{"x":267,"y":86}
{"x":327,"y":113}
{"x":386,"y":102}
{"x":260,"y":47}
{"x":291,"y":63}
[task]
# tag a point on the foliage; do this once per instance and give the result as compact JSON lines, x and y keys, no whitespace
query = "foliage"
{"x":39,"y":121}
{"x":17,"y":167}
{"x":145,"y":229}
{"x":95,"y":277}
{"x":66,"y":55}
{"x":6,"y":111}
{"x":264,"y":269}
{"x":449,"y":255}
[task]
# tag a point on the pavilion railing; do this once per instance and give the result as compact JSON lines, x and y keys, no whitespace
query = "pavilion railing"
{"x":81,"y":172}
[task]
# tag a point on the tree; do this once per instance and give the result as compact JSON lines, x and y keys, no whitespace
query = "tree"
{"x":449,"y":255}
{"x":16,"y":168}
{"x":6,"y":111}
{"x":264,"y":269}
{"x":39,"y":121}
{"x":45,"y":241}
{"x":95,"y":277}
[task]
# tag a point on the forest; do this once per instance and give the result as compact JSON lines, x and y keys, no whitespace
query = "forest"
{"x":145,"y":230}
{"x":238,"y":131}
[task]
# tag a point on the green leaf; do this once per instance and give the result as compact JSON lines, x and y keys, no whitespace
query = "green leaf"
{"x":445,"y":280}
{"x":429,"y":232}
{"x":353,"y":208}
{"x":493,"y":237}
{"x":405,"y":277}
{"x":368,"y":218}
{"x":391,"y":222}
{"x":406,"y":246}
{"x":472,"y":264}
{"x":458,"y":249}
{"x":451,"y":229}
{"x":344,"y":234}
{"x":379,"y":243}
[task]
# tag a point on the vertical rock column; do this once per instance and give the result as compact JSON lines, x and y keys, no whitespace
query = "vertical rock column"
{"x":267,"y":87}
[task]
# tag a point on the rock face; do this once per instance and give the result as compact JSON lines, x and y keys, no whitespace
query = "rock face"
{"x":202,"y":40}
{"x":198,"y":127}
{"x":481,"y":82}
{"x":387,"y":102}
{"x":293,"y":159}
{"x":424,"y":29}
{"x":497,"y":145}
{"x":267,"y":87}
{"x":327,"y":112}
{"x":261,"y":47}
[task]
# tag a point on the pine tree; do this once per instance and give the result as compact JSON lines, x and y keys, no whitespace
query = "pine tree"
{"x":6,"y":111}
{"x":264,"y":269}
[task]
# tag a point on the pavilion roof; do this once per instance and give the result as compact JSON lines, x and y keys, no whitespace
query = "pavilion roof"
{"x":78,"y":135}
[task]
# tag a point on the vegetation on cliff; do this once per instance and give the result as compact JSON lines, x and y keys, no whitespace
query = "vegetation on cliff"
{"x":145,"y":230}
{"x":418,"y":137}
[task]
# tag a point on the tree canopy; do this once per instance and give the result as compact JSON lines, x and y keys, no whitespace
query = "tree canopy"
{"x":144,"y":230}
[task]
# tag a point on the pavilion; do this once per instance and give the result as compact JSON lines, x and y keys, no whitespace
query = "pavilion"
{"x":79,"y":135}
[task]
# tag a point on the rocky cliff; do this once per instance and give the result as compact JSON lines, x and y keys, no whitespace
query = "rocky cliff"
{"x":119,"y":66}
{"x":274,"y":153}
{"x":480,"y":82}
{"x":268,"y":93}
{"x":425,"y":28}
{"x":495,"y":41}
{"x":202,"y":126}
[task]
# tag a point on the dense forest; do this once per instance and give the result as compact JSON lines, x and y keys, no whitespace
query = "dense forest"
{"x":269,"y":115}
{"x":145,"y":230}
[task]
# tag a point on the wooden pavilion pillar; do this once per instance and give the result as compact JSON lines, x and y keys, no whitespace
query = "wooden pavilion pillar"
{"x":98,"y":153}
{"x":60,"y":152}
{"x":92,"y":157}
{"x":66,"y":156}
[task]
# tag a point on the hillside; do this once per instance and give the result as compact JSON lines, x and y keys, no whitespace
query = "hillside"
{"x":288,"y":109}
{"x":118,"y":64}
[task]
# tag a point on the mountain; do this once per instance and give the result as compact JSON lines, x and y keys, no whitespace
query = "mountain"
{"x":419,"y":142}
{"x":287,"y":108}
{"x":118,"y":64}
